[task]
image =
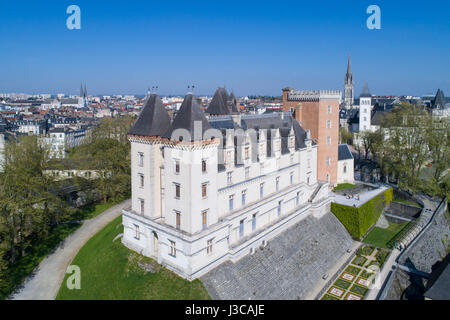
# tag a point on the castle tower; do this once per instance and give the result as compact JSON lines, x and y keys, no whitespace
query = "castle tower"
{"x":190,"y":178}
{"x":365,"y":109}
{"x":349,"y":86}
{"x":146,"y":158}
{"x":318,"y":111}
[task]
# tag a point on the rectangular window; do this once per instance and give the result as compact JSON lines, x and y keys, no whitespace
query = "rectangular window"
{"x":241,"y":228}
{"x":204,"y":193}
{"x":141,"y":159}
{"x":329,"y":109}
{"x":328,"y":140}
{"x":141,"y":202}
{"x":177,"y":191}
{"x":297,"y":199}
{"x":254,"y":222}
{"x":277,"y":183}
{"x":329,"y":124}
{"x":261,"y":190}
{"x":247,"y":173}
{"x":203,"y":165}
{"x":229,"y":177}
{"x":231,"y":202}
{"x":247,"y":153}
{"x":141,"y":180}
{"x":137,"y":234}
{"x":209,"y":246}
{"x":177,"y":166}
{"x":279,"y":208}
{"x":309,"y":163}
{"x":328,"y":161}
{"x":244,"y":194}
{"x":204,"y":219}
{"x":291,"y":158}
{"x":178,"y":219}
{"x":292,"y":178}
{"x":173,"y":249}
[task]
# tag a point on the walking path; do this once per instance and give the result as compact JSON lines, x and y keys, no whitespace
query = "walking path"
{"x":429,"y":208}
{"x":46,"y":279}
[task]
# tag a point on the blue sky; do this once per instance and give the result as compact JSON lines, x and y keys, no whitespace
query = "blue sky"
{"x":252,"y":47}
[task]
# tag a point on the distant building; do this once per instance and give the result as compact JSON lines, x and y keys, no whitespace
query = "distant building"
{"x":349,"y":87}
{"x":346,"y":165}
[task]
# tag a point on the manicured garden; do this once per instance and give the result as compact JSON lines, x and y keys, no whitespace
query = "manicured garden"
{"x":354,"y":282}
{"x":109,"y":270}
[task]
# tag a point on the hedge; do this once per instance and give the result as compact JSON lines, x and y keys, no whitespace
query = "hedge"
{"x":358,"y":221}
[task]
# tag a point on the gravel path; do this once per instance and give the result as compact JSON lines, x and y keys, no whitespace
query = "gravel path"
{"x":46,"y":279}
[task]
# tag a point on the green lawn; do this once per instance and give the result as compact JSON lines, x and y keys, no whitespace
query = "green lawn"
{"x":110,"y":271}
{"x":343,"y":186}
{"x":16,"y":274}
{"x":93,"y":210}
{"x":380,"y":237}
{"x":341,"y":283}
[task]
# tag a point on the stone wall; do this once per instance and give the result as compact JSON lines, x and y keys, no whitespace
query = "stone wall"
{"x":287,"y":268}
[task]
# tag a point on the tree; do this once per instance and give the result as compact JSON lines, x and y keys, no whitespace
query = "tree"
{"x":345,"y":136}
{"x":29,"y":201}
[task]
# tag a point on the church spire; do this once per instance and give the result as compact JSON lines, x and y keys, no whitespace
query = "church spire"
{"x":349,"y":86}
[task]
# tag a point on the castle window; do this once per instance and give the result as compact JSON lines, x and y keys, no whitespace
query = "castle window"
{"x":329,"y":124}
{"x":231,"y":202}
{"x":279,"y":208}
{"x":177,"y":191}
{"x":345,"y":168}
{"x":328,"y":140}
{"x":291,"y":158}
{"x":177,"y":166}
{"x":173,"y":249}
{"x":254,"y":222}
{"x":204,"y":219}
{"x":141,"y":203}
{"x":244,"y":194}
{"x":309,"y":163}
{"x":203,"y":165}
{"x":137,"y":235}
{"x":141,"y":159}
{"x":178,"y":219}
{"x":291,"y":177}
{"x":297,"y":199}
{"x":229,"y":177}
{"x":247,"y":153}
{"x":247,"y":173}
{"x":328,"y":161}
{"x":329,"y":109}
{"x":261,"y":190}
{"x":141,"y":180}
{"x":204,"y":193}
{"x":277,"y":183}
{"x":241,"y":228}
{"x":209,"y":246}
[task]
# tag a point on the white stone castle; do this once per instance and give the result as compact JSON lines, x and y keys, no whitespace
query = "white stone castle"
{"x":210,"y":189}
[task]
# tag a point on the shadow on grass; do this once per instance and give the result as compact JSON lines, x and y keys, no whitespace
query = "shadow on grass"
{"x":25,"y":266}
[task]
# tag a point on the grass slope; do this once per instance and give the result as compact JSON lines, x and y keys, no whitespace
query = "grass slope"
{"x":109,"y":270}
{"x":380,"y":237}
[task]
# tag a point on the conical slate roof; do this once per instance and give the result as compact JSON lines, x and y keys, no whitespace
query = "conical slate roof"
{"x":439,"y":100}
{"x":189,"y":113}
{"x":365,"y":93}
{"x":153,"y":120}
{"x":219,"y":103}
